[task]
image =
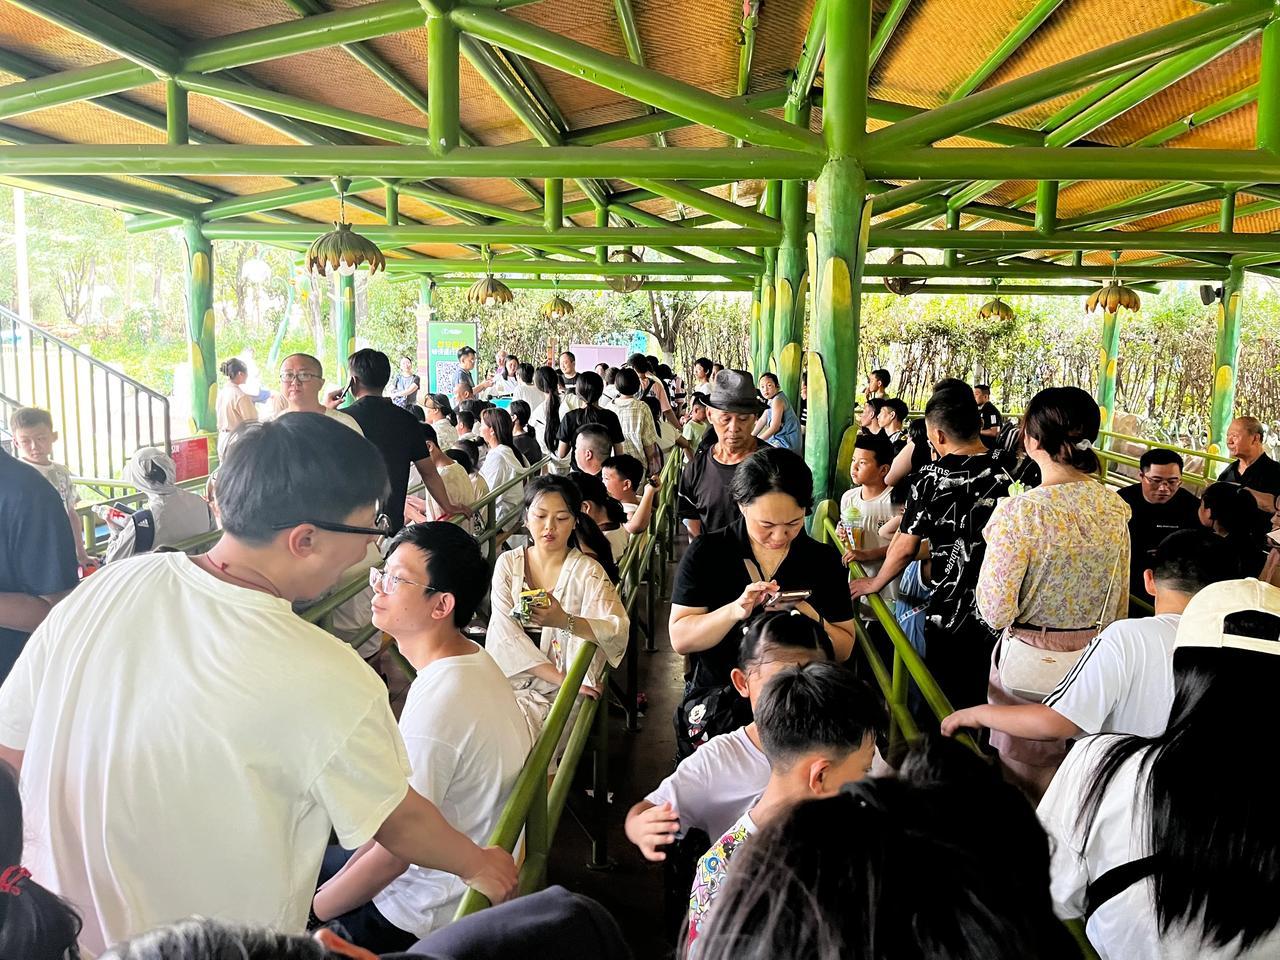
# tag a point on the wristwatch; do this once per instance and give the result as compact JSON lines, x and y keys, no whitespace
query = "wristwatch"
{"x":573,"y":622}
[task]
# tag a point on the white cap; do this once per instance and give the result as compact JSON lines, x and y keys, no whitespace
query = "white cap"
{"x":1204,"y":622}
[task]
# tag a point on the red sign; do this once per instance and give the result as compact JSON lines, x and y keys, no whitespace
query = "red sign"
{"x":191,"y":456}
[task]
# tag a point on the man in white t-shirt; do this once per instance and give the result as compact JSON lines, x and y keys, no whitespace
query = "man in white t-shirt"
{"x":186,"y":743}
{"x":1123,"y":683}
{"x":465,"y":760}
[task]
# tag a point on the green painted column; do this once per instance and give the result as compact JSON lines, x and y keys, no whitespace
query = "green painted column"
{"x":442,"y":79}
{"x":1225,"y":354}
{"x":767,"y":316}
{"x":791,"y":275}
{"x":842,"y":227}
{"x":753,"y":350}
{"x":1107,"y":357}
{"x":346,"y":322}
{"x":602,"y":220}
{"x":201,"y":329}
{"x":423,"y":315}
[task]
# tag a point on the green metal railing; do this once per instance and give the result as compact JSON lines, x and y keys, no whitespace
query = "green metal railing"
{"x":535,"y":805}
{"x":907,"y":665}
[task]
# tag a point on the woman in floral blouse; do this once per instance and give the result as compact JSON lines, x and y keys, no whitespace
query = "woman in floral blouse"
{"x":1057,"y":560}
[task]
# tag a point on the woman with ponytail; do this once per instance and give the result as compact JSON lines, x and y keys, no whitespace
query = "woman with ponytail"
{"x":1056,"y":570}
{"x":34,"y":924}
{"x":544,"y":423}
{"x":234,"y":405}
{"x":442,"y":419}
{"x":535,"y":641}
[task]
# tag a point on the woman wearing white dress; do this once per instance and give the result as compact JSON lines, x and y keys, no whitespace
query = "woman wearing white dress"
{"x":584,"y":607}
{"x":440,"y":416}
{"x":503,"y":462}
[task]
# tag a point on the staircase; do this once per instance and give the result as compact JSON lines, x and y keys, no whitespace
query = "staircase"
{"x":101,"y":415}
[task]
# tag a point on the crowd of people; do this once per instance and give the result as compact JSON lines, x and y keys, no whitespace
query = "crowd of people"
{"x":187,"y":746}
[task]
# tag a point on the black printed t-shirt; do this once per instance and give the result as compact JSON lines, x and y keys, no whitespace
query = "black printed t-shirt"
{"x":949,"y":503}
{"x":712,"y":572}
{"x":398,"y":436}
{"x":1150,"y":523}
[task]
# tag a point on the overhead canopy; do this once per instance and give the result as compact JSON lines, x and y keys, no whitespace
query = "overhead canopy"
{"x":664,"y":118}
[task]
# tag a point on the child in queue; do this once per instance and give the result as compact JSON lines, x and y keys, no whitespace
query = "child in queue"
{"x":623,"y":477}
{"x":33,"y":440}
{"x":817,"y":726}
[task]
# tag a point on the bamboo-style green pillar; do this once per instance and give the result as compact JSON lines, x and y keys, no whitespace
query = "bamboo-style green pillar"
{"x":552,"y":203}
{"x":1225,"y":354}
{"x":393,"y":206}
{"x":346,"y":322}
{"x":602,"y":220}
{"x":442,"y":78}
{"x":201,"y":329}
{"x":843,"y":225}
{"x":754,"y":351}
{"x":1047,"y":206}
{"x":177,"y":127}
{"x":791,"y":276}
{"x":1108,"y":354}
{"x":425,"y":311}
{"x":950,"y":257}
{"x":767,"y":314}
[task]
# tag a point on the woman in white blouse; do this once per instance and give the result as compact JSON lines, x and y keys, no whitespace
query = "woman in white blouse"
{"x":440,"y":417}
{"x":584,"y":607}
{"x":503,"y":462}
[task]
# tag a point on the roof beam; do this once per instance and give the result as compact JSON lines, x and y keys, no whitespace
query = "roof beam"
{"x":303,"y":35}
{"x":403,"y":234}
{"x":884,"y":30}
{"x":728,"y":286}
{"x":635,"y":50}
{"x":622,"y":76}
{"x":1046,"y":271}
{"x":1138,"y":211}
{"x":725,"y":210}
{"x":109,"y":192}
{"x":1076,"y":240}
{"x":108,"y":29}
{"x":1228,"y":19}
{"x":648,"y":268}
{"x":66,"y":86}
{"x":1028,"y":25}
{"x":409,"y":163}
{"x":645,"y":218}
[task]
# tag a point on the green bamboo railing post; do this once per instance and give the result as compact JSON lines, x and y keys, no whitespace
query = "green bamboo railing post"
{"x":1226,"y":353}
{"x":552,"y":204}
{"x":442,"y":80}
{"x":843,"y":222}
{"x":600,"y":789}
{"x":345,"y":340}
{"x":201,"y":329}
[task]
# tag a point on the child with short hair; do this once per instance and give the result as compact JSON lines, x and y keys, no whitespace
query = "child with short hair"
{"x":711,"y":787}
{"x":817,"y":724}
{"x":696,"y":426}
{"x":623,"y":477}
{"x":33,"y":438}
{"x":866,"y":507}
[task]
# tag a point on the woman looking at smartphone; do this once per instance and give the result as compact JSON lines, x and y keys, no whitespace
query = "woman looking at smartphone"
{"x":728,"y":575}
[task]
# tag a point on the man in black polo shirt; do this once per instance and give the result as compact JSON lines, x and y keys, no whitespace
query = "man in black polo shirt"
{"x":1253,"y":469}
{"x":37,"y":555}
{"x":395,"y":433}
{"x":949,"y":503}
{"x":989,"y":417}
{"x":734,"y":406}
{"x":1159,"y":506}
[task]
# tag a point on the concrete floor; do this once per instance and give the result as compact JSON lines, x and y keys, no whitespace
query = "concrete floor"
{"x":631,"y":888}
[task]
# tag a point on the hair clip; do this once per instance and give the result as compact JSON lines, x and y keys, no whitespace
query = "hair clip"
{"x":10,"y":877}
{"x":1085,"y":444}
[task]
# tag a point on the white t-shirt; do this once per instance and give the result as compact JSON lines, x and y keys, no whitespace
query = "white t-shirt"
{"x":1123,"y":683}
{"x":188,"y":745}
{"x":465,"y":760}
{"x":529,"y":394}
{"x":456,"y":483}
{"x":499,"y":467}
{"x":618,"y":539}
{"x":873,"y":513}
{"x":446,"y":433}
{"x":712,"y":788}
{"x":61,"y":480}
{"x":1124,"y":927}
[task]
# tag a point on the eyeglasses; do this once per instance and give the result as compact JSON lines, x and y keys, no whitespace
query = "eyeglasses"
{"x":381,"y":526}
{"x":303,"y":377}
{"x":388,"y":582}
{"x":1171,"y":483}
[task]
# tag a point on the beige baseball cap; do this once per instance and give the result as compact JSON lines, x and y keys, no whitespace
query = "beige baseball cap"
{"x":1207,"y":621}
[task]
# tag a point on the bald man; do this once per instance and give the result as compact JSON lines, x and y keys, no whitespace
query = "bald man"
{"x":1252,"y":469}
{"x":301,"y":377}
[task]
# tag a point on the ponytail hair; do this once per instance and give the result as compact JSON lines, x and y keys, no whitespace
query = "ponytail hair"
{"x":592,"y":538}
{"x":548,"y":382}
{"x":233,"y":368}
{"x":1065,"y":422}
{"x":499,"y":421}
{"x":441,"y":402}
{"x":34,"y":923}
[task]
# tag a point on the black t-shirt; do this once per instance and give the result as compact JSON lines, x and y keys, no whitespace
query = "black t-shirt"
{"x":949,"y":503}
{"x":398,"y":436}
{"x":37,"y":554}
{"x":712,"y":573}
{"x":1263,"y":475}
{"x":705,"y":487}
{"x":527,"y":446}
{"x":571,"y":421}
{"x":1149,"y":524}
{"x":989,"y":416}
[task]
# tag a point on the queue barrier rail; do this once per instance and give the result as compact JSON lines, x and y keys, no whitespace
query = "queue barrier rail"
{"x":537,"y":803}
{"x":907,"y":664}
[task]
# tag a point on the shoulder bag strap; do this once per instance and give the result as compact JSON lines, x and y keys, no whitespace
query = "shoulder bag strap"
{"x":1115,"y":567}
{"x":1116,"y":881}
{"x":754,"y":573}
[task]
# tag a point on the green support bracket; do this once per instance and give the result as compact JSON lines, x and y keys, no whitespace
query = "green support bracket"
{"x":885,"y":30}
{"x":391,"y":206}
{"x":201,"y":329}
{"x":1028,"y":25}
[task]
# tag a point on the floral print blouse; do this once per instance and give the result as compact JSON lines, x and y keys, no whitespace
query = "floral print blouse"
{"x":1053,"y":553}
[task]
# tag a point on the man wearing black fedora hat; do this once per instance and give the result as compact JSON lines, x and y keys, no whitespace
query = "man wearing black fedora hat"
{"x":733,"y":408}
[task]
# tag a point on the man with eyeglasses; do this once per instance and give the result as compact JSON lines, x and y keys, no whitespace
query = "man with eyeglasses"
{"x":464,"y":760}
{"x":186,"y":743}
{"x":301,"y":377}
{"x":1159,"y":506}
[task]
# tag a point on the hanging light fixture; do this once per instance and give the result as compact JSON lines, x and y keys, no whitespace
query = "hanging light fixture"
{"x":489,"y":291}
{"x":557,"y":308}
{"x":1115,"y":294}
{"x":342,"y":250}
{"x":624,"y":283}
{"x":995,"y":307}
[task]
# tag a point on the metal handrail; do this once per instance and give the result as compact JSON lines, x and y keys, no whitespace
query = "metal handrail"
{"x":534,"y":808}
{"x":905,"y":657}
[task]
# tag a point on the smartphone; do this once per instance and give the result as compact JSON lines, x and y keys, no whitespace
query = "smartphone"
{"x":787,"y":598}
{"x":346,"y":391}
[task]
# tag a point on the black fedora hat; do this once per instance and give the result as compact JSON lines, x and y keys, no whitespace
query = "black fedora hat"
{"x":734,"y":391}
